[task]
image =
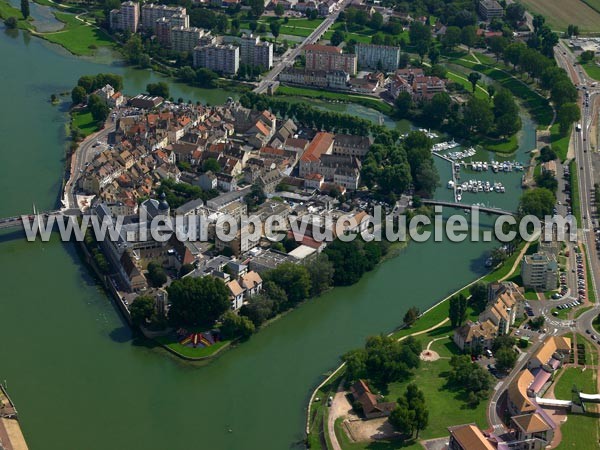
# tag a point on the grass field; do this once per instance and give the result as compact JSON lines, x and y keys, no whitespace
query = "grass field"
{"x":368,"y":102}
{"x":537,"y":105}
{"x":446,"y":406}
{"x":85,"y":122}
{"x":77,"y":37}
{"x":7,"y":10}
{"x":560,"y":13}
{"x":583,"y":379}
{"x":191,"y":352}
{"x":590,"y":286}
{"x":559,"y":142}
{"x":575,"y":201}
{"x":592,"y":69}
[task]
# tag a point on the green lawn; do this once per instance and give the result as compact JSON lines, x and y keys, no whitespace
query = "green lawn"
{"x":446,"y":407}
{"x":368,"y":102}
{"x":562,"y":313}
{"x":7,"y":10}
{"x":77,"y":37}
{"x":575,"y":201}
{"x":479,"y":92}
{"x":579,"y":432}
{"x":580,"y":311}
{"x":85,"y":122}
{"x":497,"y":71}
{"x":559,"y":142}
{"x":191,"y":352}
{"x":590,"y":286}
{"x":583,"y":379}
{"x":505,"y":146}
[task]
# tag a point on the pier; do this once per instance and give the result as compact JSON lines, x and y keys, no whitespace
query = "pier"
{"x":11,"y":436}
{"x":485,"y":209}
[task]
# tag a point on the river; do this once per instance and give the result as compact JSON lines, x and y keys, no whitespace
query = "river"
{"x":79,"y":379}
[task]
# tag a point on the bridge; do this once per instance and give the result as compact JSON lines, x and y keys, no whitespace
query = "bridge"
{"x":485,"y":209}
{"x":17,"y":221}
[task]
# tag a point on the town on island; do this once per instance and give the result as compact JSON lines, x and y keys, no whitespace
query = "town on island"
{"x":337,"y":111}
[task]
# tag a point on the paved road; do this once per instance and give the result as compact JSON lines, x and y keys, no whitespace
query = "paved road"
{"x":83,"y":155}
{"x":290,"y":56}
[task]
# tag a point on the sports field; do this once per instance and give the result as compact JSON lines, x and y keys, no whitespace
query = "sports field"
{"x":560,"y":13}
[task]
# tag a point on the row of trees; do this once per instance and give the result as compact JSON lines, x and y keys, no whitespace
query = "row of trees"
{"x":472,"y":379}
{"x":411,"y":415}
{"x":90,"y":83}
{"x":383,"y":360}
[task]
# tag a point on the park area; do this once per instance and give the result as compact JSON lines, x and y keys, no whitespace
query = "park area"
{"x":560,"y":13}
{"x":77,"y":36}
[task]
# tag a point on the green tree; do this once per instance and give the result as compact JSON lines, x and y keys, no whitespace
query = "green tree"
{"x":133,"y":49}
{"x":547,"y":154}
{"x":234,"y":326}
{"x":98,"y":109}
{"x":156,"y":274}
{"x":403,"y":105}
{"x":458,"y":310}
{"x":478,"y":116}
{"x":547,"y":180}
{"x":434,"y":55}
{"x":141,"y":309}
{"x":321,"y":274}
{"x":258,"y":309}
{"x":468,"y":36}
{"x":337,"y":37}
{"x":474,"y":77}
{"x":78,"y":95}
{"x":275,"y":27}
{"x":293,"y":279}
{"x":160,"y":89}
{"x":479,"y":296}
{"x":452,"y":37}
{"x":567,"y":114}
{"x":419,"y":34}
{"x":538,"y":202}
{"x":279,"y":10}
{"x":197,"y":301}
{"x":505,"y":359}
{"x":212,"y":165}
{"x":411,"y":415}
{"x":25,"y":8}
{"x":11,"y":22}
{"x":411,"y":316}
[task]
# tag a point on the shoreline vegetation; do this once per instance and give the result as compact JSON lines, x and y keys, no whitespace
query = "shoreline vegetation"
{"x":431,"y":319}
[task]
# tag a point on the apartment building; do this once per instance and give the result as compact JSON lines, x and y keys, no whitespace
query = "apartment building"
{"x":218,"y":57}
{"x":329,"y":59}
{"x":151,"y":12}
{"x":539,"y":271}
{"x":255,"y":52}
{"x":185,"y":39}
{"x":488,"y":9}
{"x":127,"y":18}
{"x":379,"y":57}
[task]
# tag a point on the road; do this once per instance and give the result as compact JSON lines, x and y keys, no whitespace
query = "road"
{"x":84,"y":154}
{"x":586,"y":234}
{"x":290,"y":56}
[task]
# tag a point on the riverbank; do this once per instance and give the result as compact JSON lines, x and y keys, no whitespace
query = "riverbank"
{"x":433,"y":318}
{"x":11,"y":436}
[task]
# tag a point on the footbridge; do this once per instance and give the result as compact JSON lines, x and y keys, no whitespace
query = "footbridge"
{"x":485,"y":209}
{"x":17,"y":221}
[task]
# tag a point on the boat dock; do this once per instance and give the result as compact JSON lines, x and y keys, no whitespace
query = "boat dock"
{"x":11,"y":436}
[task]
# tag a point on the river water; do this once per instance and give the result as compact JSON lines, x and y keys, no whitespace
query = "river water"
{"x":79,"y":379}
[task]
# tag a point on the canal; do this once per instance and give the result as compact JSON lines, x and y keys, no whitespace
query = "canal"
{"x":73,"y":368}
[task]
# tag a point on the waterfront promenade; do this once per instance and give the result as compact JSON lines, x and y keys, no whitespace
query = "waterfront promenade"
{"x":11,"y":436}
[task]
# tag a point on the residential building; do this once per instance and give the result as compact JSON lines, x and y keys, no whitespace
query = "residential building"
{"x":369,"y":402}
{"x":488,"y":9}
{"x":217,"y":57}
{"x":536,"y":431}
{"x":415,"y":83}
{"x":539,"y":271}
{"x":337,"y":79}
{"x":269,"y":260}
{"x":252,"y":283}
{"x":151,"y":12}
{"x":185,"y":39}
{"x":236,"y":294}
{"x":519,"y":398}
{"x":380,"y":57}
{"x":351,"y":145}
{"x":555,"y":347}
{"x":127,"y":18}
{"x":329,"y":59}
{"x":468,"y":437}
{"x":180,"y":20}
{"x":162,"y":31}
{"x":322,"y":144}
{"x":474,"y":336}
{"x":255,"y":52}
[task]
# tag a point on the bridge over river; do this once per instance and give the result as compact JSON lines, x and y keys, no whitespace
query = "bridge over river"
{"x":485,"y":209}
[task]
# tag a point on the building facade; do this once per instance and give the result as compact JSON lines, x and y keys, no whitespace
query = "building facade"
{"x":539,"y":271}
{"x":380,"y":57}
{"x":255,"y":52}
{"x":127,"y":18}
{"x":217,"y":57}
{"x":488,"y":9}
{"x":329,"y":59}
{"x":151,"y":12}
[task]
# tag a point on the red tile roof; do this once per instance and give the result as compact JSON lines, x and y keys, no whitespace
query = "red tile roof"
{"x":319,"y":145}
